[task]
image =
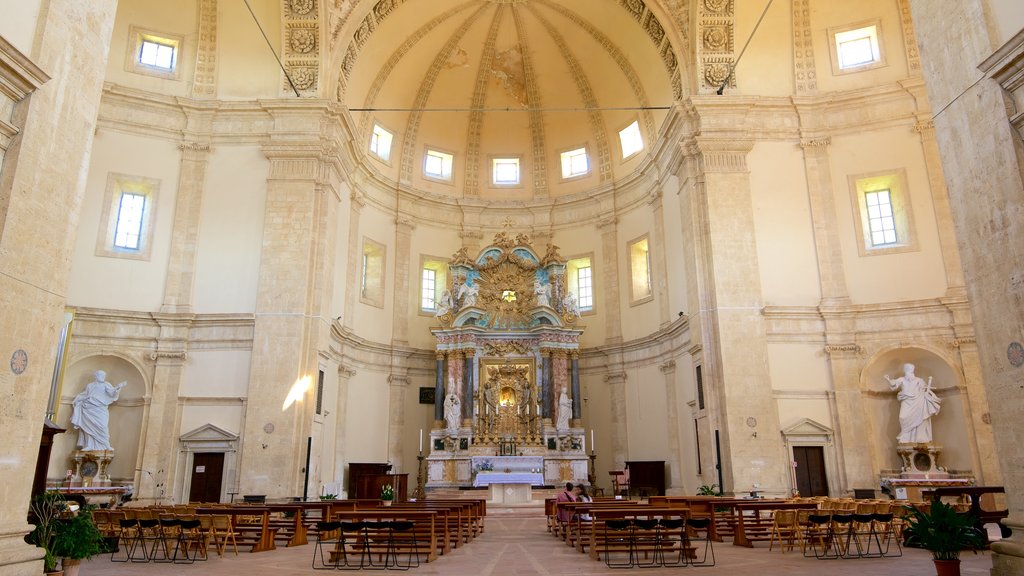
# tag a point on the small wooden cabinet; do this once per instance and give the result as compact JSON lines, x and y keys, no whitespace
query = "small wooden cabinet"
{"x":365,"y":480}
{"x":647,"y":478}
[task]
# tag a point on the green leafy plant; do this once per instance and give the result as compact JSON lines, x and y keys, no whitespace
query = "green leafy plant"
{"x":46,"y":510}
{"x":77,"y":536}
{"x":387,"y":492}
{"x":942,"y":531}
{"x":328,"y":496}
{"x":708,"y":490}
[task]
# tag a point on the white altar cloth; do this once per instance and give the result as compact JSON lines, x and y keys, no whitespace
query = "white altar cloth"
{"x":488,"y":478}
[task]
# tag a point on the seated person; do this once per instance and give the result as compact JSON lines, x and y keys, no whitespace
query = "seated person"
{"x":567,"y":495}
{"x":582,"y":496}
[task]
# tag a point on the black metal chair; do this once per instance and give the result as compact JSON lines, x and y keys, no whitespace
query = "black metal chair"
{"x":842,"y":533}
{"x":618,"y":538}
{"x":165,"y":539}
{"x":328,"y":534}
{"x":884,"y":527}
{"x":818,"y":536}
{"x":129,"y":541}
{"x":645,"y":542}
{"x":191,"y":542}
{"x":672,"y":538}
{"x":694,"y":527}
{"x":353,"y":538}
{"x":402,"y":536}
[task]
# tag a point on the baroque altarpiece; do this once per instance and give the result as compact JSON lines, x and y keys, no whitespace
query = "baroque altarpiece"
{"x":507,"y":396}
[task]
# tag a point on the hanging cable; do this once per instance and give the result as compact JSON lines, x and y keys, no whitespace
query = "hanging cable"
{"x":272,"y":51}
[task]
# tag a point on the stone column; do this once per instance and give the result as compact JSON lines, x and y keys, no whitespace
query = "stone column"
{"x":674,"y":456}
{"x":400,"y":315}
{"x":828,"y":248}
{"x":439,"y":389}
{"x":979,"y":135}
{"x":611,"y":305}
{"x":575,"y":378}
{"x":468,"y":388}
{"x":188,"y":204}
{"x":616,"y":382}
{"x":398,"y":385}
{"x":734,"y":333}
{"x":356,"y":202}
{"x":42,"y":181}
{"x":345,"y":374}
{"x":659,"y":258}
{"x":296,"y":260}
{"x":455,"y":368}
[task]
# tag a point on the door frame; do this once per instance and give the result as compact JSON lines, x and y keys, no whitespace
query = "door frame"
{"x":207,"y":438}
{"x":807,"y":432}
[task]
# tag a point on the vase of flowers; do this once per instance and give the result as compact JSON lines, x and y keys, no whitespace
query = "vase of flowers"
{"x":387,"y":494}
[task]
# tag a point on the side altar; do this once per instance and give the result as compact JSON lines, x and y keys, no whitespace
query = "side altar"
{"x":507,"y":391}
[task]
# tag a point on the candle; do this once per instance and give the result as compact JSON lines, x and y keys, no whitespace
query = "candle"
{"x":421,"y":439}
{"x":591,"y":439}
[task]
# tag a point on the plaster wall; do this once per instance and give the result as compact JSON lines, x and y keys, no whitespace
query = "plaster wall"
{"x":160,"y":18}
{"x":783,"y":223}
{"x":242,"y":50}
{"x":575,"y":243}
{"x":641,"y":315}
{"x":225,"y":417}
{"x":1007,"y":18}
{"x":228,"y":254}
{"x":121,"y":283}
{"x":19,"y":24}
{"x":796,"y":366}
{"x":218,"y":374}
{"x":375,"y":323}
{"x":366,"y":420}
{"x":675,"y":273}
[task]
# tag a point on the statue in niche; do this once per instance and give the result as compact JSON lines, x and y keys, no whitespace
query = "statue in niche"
{"x":468,"y":293}
{"x":452,"y":412}
{"x":543,"y":293}
{"x":91,"y":414}
{"x":564,"y":412}
{"x":918,"y":403}
{"x":445,"y":304}
{"x":569,"y":305}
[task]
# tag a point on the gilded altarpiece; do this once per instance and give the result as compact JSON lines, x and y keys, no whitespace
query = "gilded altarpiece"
{"x":507,"y":382}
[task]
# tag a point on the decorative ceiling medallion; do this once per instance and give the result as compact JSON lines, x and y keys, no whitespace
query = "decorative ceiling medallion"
{"x":751,"y":421}
{"x":268,"y":427}
{"x":1015,"y":354}
{"x":19,"y":361}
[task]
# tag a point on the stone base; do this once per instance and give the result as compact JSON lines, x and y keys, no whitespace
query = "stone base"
{"x":511,"y":493}
{"x":18,"y":558}
{"x":921,"y":462}
{"x":1008,"y":554}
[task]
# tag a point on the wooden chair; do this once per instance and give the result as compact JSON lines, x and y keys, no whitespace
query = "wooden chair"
{"x":786,"y":529}
{"x":221,"y":532}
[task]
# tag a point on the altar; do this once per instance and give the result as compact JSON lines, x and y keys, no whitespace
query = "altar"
{"x":507,"y":390}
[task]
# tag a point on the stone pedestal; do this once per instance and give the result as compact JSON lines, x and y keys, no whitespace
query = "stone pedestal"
{"x":91,"y":468}
{"x":921,"y":462}
{"x":511,"y":493}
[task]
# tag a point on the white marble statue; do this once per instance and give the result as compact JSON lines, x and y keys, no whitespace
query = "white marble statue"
{"x":91,"y":412}
{"x":917,"y":405}
{"x":569,"y":304}
{"x":452,"y":412}
{"x":564,"y":412}
{"x":468,"y":294}
{"x":444,"y":305}
{"x":543,"y":293}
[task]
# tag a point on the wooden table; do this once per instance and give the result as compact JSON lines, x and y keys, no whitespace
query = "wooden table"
{"x":265,"y":541}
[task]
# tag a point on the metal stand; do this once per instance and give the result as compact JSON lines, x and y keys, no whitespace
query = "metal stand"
{"x":420,"y":493}
{"x":592,"y":471}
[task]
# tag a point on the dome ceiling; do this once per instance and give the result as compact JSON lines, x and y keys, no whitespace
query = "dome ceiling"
{"x":526,"y":79}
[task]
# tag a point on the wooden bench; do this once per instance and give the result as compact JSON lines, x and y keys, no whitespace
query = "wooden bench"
{"x":757,"y":525}
{"x":597,"y":529}
{"x":700,"y":507}
{"x":974,"y":494}
{"x":258,"y":532}
{"x":426,"y":531}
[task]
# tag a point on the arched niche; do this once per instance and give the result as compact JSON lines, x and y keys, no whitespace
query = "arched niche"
{"x":950,"y":427}
{"x":126,"y":415}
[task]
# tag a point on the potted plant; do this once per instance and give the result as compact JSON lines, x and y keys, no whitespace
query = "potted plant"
{"x":387,"y":494}
{"x":77,"y":538}
{"x":44,"y":512}
{"x":328,"y":496}
{"x":945,"y":533}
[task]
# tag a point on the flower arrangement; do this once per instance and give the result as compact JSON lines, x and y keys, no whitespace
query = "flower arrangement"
{"x":485,"y":466}
{"x":387,"y":493}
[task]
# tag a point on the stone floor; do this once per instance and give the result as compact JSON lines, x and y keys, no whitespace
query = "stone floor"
{"x":516,"y":543}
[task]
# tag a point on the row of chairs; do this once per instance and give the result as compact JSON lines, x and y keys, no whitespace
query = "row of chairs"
{"x":847,"y":535}
{"x":366,"y":545}
{"x":662,"y":542}
{"x":144,"y":535}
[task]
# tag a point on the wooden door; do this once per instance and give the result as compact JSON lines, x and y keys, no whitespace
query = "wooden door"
{"x":810,"y":470}
{"x":207,"y":474}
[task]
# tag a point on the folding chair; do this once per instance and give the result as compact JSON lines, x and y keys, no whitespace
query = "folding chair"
{"x":618,"y":537}
{"x":694,"y":528}
{"x":327,"y":534}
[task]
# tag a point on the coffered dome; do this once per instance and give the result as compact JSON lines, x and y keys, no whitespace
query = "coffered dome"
{"x":519,"y":81}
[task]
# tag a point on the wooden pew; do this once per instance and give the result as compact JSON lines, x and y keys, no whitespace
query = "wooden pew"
{"x":755,"y":526}
{"x":424,"y":527}
{"x":974,"y":494}
{"x":259,"y":532}
{"x":700,"y":507}
{"x":600,"y":515}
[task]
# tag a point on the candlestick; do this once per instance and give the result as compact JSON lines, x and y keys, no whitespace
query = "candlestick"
{"x":591,"y":439}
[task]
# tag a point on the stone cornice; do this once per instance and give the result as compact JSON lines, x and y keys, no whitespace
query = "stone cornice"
{"x":19,"y":76}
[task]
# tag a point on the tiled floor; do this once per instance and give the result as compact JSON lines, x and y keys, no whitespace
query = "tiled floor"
{"x":516,"y":543}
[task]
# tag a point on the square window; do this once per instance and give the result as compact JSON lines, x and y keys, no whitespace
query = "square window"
{"x":883,"y":219}
{"x":129,"y":209}
{"x":380,"y":142}
{"x":506,"y":171}
{"x":433,"y":280}
{"x":438,"y":165}
{"x":580,"y":277}
{"x":640,"y":270}
{"x":575,"y":163}
{"x":856,"y":47}
{"x":631,"y":140}
{"x":154,"y":53}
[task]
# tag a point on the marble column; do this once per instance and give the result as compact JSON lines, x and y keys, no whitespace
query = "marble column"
{"x":546,"y":392}
{"x":468,"y":387}
{"x":575,"y":378}
{"x":42,"y":181}
{"x":439,"y":389}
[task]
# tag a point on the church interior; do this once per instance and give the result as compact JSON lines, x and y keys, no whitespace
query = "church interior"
{"x":707,"y":234}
